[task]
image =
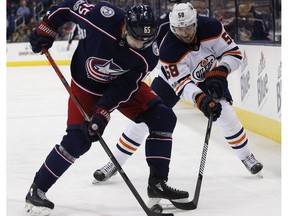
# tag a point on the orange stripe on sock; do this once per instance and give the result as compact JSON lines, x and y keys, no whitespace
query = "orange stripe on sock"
{"x":127,"y":145}
{"x":239,"y":140}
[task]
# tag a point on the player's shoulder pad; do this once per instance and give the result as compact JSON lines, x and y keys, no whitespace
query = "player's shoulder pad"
{"x":172,"y":49}
{"x":208,"y":27}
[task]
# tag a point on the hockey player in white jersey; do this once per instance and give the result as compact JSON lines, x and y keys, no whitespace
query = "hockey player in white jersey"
{"x":196,"y":57}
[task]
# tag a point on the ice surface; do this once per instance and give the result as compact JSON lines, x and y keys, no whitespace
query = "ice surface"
{"x":36,"y":120}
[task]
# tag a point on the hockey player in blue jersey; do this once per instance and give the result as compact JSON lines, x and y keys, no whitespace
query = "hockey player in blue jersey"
{"x":196,"y":57}
{"x":163,"y":21}
{"x":107,"y":69}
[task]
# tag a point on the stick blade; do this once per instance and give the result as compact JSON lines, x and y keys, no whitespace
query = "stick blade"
{"x":184,"y":206}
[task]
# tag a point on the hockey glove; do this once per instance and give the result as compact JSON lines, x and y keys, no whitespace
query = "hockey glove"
{"x":97,"y":125}
{"x":43,"y":36}
{"x":215,"y":82}
{"x":207,"y":105}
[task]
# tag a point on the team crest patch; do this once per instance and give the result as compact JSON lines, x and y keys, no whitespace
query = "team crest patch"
{"x":198,"y":74}
{"x":103,"y":70}
{"x":155,"y":48}
{"x":107,"y":11}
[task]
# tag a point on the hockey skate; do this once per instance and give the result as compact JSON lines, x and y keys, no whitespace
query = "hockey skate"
{"x":103,"y":174}
{"x":37,"y":202}
{"x":253,"y":165}
{"x":158,"y":189}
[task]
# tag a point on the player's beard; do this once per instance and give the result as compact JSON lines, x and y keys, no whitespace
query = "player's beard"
{"x":188,"y":39}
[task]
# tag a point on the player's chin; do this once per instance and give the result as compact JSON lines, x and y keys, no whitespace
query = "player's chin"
{"x":186,"y":40}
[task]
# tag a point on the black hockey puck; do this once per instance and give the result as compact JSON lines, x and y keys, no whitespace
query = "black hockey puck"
{"x":157,"y":208}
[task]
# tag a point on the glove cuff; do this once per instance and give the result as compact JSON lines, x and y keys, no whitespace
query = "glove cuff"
{"x":45,"y":29}
{"x":199,"y":98}
{"x":104,"y":113}
{"x":220,"y":71}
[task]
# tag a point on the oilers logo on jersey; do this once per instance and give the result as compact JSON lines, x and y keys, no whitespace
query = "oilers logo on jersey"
{"x":198,"y":74}
{"x":102,"y":70}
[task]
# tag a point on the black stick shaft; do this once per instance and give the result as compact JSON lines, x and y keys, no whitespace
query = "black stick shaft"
{"x":193,"y":203}
{"x":101,"y":140}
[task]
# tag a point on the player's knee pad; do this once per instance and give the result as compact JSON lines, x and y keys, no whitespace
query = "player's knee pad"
{"x":160,"y":118}
{"x":75,"y":143}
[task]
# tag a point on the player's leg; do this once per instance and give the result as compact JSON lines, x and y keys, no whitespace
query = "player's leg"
{"x":237,"y":138}
{"x":161,"y":122}
{"x":61,"y":157}
{"x":135,"y":134}
{"x":128,"y":143}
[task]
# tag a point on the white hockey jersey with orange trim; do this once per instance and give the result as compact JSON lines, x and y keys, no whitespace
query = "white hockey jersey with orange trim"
{"x":184,"y":65}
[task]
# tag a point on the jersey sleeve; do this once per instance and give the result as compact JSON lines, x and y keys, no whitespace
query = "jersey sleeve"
{"x":227,"y":51}
{"x":68,"y":10}
{"x":121,"y":90}
{"x":177,"y":75}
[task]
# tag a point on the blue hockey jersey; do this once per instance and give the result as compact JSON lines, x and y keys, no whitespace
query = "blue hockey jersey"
{"x":163,"y":27}
{"x":103,"y":64}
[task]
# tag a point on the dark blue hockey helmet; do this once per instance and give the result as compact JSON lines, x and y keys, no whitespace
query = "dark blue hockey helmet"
{"x":141,"y":23}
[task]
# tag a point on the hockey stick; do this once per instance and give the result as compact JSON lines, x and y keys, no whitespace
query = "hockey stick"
{"x":148,"y":211}
{"x":193,"y":203}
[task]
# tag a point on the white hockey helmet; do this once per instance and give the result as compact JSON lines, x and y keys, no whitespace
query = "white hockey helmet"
{"x":182,"y":15}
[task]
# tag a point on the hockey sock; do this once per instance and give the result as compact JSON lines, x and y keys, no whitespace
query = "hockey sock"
{"x":158,"y":153}
{"x":130,"y":141}
{"x":233,"y":131}
{"x":239,"y":143}
{"x":56,"y":163}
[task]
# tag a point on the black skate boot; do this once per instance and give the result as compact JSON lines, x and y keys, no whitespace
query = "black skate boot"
{"x":104,"y":173}
{"x":37,"y":202}
{"x":253,"y":165}
{"x":158,"y":188}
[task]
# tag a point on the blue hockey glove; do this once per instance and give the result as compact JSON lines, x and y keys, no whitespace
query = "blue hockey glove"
{"x":97,"y":125}
{"x":43,"y":36}
{"x":207,"y":105}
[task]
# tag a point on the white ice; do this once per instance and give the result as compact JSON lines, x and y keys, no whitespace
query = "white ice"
{"x":36,"y":121}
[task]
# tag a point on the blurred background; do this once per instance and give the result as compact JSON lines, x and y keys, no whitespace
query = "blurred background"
{"x":247,"y":21}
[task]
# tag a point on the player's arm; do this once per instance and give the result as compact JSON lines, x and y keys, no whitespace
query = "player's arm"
{"x":121,"y":90}
{"x":44,"y":35}
{"x":177,"y":74}
{"x":229,"y":59}
{"x":226,"y":50}
{"x":179,"y":78}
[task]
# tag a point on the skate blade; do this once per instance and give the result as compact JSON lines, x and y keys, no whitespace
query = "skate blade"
{"x":107,"y":180}
{"x":37,"y":210}
{"x":95,"y":181}
{"x":259,"y":174}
